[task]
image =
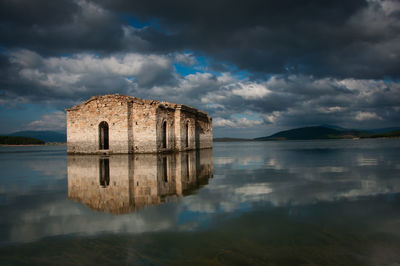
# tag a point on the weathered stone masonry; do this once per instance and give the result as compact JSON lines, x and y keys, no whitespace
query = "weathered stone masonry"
{"x":123,"y":124}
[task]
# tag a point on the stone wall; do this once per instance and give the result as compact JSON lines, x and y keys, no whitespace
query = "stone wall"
{"x":83,"y":125}
{"x":143,"y":121}
{"x":199,"y":129}
{"x":136,"y":126}
{"x":187,"y":118}
{"x":165,"y":114}
{"x":204,"y":137}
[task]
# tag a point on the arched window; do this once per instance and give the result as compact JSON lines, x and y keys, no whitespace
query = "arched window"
{"x":164,"y":134}
{"x":103,"y":136}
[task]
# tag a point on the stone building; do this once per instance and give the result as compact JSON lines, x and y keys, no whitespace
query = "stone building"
{"x":125,"y":183}
{"x":123,"y":124}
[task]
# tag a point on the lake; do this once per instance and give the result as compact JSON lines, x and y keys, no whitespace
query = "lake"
{"x":331,"y":202}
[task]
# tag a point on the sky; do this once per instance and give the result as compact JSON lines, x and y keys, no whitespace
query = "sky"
{"x":256,"y":66}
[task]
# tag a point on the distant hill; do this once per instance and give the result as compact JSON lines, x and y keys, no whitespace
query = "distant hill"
{"x":335,"y":127}
{"x":324,"y":131}
{"x":318,"y":132}
{"x":369,"y":131}
{"x":46,"y":136}
{"x":331,"y":132}
{"x":14,"y":140}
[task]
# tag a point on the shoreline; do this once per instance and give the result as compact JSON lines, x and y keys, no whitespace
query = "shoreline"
{"x":23,"y":145}
{"x":251,"y":140}
{"x":18,"y":145}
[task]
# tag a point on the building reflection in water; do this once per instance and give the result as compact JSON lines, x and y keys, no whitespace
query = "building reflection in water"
{"x":125,"y":183}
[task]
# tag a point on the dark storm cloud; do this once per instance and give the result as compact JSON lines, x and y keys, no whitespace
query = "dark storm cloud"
{"x":302,"y":100}
{"x":280,"y":101}
{"x":324,"y":38}
{"x":38,"y":12}
{"x":72,"y":26}
{"x":58,"y":27}
{"x":248,"y":63}
{"x":63,"y":81}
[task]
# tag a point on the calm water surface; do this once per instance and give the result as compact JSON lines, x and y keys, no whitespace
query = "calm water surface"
{"x":333,"y":202}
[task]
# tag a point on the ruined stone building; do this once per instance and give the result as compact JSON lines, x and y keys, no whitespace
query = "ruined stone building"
{"x":123,"y":124}
{"x":125,"y":183}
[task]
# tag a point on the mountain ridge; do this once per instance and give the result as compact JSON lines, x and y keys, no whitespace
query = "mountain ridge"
{"x":327,"y":132}
{"x":44,"y":135}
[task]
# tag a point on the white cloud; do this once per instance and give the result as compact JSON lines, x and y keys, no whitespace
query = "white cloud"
{"x":272,"y":117}
{"x":282,"y":100}
{"x":251,"y":91}
{"x":54,"y":121}
{"x":236,"y":122}
{"x":69,"y":73}
{"x":244,"y":122}
{"x":361,"y":116}
{"x":222,"y":122}
{"x":186,"y":59}
{"x":331,"y":109}
{"x":198,"y":81}
{"x":130,"y":64}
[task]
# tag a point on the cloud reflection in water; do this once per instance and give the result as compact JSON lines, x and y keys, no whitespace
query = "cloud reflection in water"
{"x":247,"y":176}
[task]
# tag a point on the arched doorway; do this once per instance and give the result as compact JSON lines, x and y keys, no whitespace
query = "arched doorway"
{"x":164,"y":134}
{"x":103,"y":136}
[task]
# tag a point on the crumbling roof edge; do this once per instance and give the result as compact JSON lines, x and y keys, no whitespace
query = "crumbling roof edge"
{"x":93,"y":98}
{"x":139,"y":100}
{"x":191,"y":109}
